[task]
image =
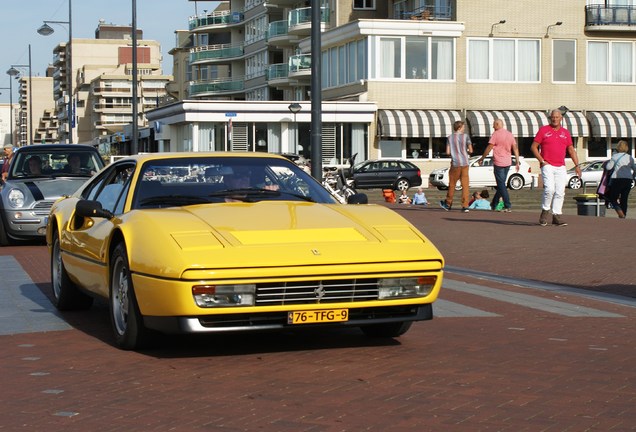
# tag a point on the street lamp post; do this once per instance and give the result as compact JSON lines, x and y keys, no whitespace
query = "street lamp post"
{"x":295,"y":108}
{"x":135,"y":144}
{"x":13,"y":71}
{"x":10,"y":88}
{"x":316,"y":91}
{"x":46,"y":30}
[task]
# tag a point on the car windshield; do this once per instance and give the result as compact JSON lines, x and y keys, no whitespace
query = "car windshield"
{"x":197,"y":180}
{"x":54,"y":163}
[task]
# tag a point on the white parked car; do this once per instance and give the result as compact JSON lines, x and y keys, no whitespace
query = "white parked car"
{"x":591,"y":173}
{"x":484,"y":176}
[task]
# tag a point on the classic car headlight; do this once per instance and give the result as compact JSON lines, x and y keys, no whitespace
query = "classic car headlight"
{"x":393,"y":288}
{"x":16,"y":198}
{"x":224,"y":295}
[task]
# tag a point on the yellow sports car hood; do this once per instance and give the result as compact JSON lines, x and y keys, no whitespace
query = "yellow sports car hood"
{"x":271,"y":234}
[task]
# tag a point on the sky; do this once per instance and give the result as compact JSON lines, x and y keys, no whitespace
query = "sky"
{"x":19,"y":21}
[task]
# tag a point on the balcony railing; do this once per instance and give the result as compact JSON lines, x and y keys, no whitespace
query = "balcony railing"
{"x":437,"y":12}
{"x":300,"y":63}
{"x":277,"y":28}
{"x":227,"y":85}
{"x":277,"y":71}
{"x":215,"y":52}
{"x":303,"y":16}
{"x":215,"y":18}
{"x":600,"y":15}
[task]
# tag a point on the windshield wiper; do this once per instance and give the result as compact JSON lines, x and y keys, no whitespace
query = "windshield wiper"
{"x":173,"y":200}
{"x":248,"y":194}
{"x":243,"y":191}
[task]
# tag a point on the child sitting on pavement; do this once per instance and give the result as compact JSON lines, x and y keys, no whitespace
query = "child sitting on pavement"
{"x":419,"y":198}
{"x":404,"y":198}
{"x":481,"y":203}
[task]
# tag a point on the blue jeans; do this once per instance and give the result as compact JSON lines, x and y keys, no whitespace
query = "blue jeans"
{"x":501,"y":174}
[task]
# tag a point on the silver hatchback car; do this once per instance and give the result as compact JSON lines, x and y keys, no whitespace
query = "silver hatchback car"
{"x":39,"y":175}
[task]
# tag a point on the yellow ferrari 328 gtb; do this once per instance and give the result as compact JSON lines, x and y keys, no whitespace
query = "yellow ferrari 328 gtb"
{"x":221,"y":242}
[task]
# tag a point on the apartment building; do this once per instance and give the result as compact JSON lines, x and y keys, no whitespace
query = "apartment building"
{"x":6,"y":119}
{"x":33,"y":122}
{"x":102,"y":84}
{"x":413,"y":67}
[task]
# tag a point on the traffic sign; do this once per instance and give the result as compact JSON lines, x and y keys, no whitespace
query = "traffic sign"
{"x":230,"y":114}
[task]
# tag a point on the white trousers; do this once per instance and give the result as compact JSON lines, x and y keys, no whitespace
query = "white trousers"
{"x":554,"y":180}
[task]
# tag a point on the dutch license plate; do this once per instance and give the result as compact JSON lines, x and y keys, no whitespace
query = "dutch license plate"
{"x":318,"y":316}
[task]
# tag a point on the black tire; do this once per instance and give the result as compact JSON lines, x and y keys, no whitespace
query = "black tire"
{"x":387,"y":330}
{"x":4,"y":238}
{"x":402,"y":184}
{"x":125,"y":317}
{"x":66,"y":295}
{"x":575,"y":182}
{"x":515,"y":182}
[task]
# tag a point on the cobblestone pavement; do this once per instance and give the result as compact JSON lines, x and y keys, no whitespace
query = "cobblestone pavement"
{"x":501,"y":355}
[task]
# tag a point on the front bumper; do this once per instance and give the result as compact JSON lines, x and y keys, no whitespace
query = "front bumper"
{"x":25,"y":224}
{"x":278,"y":320}
{"x":437,"y":180}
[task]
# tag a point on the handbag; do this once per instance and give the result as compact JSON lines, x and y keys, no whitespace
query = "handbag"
{"x":604,"y":185}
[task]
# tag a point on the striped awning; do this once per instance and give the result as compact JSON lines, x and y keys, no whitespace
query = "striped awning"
{"x":576,"y":123}
{"x":416,"y":123}
{"x":612,"y":124}
{"x":520,"y":123}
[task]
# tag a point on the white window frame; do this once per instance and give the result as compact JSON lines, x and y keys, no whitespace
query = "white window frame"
{"x":377,"y":59}
{"x":575,"y":61}
{"x":609,"y":69}
{"x":491,"y":64}
{"x":367,"y":5}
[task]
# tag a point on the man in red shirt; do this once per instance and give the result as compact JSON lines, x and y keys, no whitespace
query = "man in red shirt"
{"x":503,"y":144}
{"x":549,"y":147}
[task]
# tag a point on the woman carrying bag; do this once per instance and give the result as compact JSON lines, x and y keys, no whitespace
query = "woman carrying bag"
{"x":623,"y":170}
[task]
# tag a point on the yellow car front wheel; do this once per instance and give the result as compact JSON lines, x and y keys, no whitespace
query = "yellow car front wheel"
{"x":126,"y":320}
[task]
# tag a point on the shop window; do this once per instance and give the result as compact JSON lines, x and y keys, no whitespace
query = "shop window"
{"x":417,"y":148}
{"x":439,"y":147}
{"x":597,"y":148}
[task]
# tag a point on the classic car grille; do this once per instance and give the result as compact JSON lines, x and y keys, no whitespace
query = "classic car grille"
{"x":325,"y":291}
{"x":43,"y":208}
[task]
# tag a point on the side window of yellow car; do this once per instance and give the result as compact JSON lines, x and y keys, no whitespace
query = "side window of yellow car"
{"x":112,"y":189}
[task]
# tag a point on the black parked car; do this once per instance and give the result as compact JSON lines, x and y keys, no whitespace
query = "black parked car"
{"x":394,"y":174}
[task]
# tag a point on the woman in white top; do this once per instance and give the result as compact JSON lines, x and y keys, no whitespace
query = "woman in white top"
{"x":621,"y":181}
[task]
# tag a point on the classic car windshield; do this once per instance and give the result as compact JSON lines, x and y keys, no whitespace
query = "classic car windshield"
{"x":44,"y":163}
{"x":183,"y":181}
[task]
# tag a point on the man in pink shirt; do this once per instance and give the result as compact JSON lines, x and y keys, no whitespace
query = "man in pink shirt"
{"x":503,"y":144}
{"x":549,"y":147}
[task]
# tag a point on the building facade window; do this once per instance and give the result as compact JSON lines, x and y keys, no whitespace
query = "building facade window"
{"x":412,"y":57}
{"x":344,"y":64}
{"x":364,"y":4}
{"x":504,"y":60}
{"x":256,"y":30}
{"x":340,"y":141}
{"x":564,"y":61}
{"x":256,"y":65}
{"x":610,"y":62}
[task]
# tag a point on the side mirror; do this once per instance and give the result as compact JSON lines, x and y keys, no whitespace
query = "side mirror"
{"x":91,"y":209}
{"x":358,"y":198}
